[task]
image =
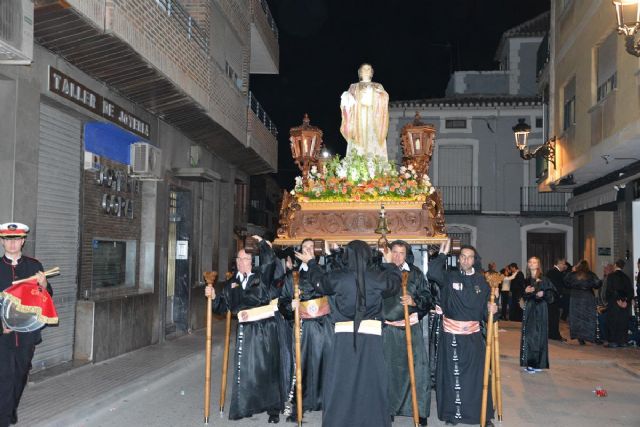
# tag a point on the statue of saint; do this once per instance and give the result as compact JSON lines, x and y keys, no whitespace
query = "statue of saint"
{"x":365,"y":115}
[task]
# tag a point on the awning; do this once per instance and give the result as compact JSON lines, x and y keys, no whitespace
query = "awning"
{"x":197,"y":174}
{"x":592,"y":199}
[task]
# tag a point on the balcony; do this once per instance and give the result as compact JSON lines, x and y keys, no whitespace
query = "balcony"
{"x":154,"y":54}
{"x":262,"y":133}
{"x":532,"y":202}
{"x":461,"y":199}
{"x":265,"y":53}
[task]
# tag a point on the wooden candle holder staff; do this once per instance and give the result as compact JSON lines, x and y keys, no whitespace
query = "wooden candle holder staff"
{"x":412,"y":373}
{"x":492,"y":356}
{"x":52,"y":272}
{"x":210,"y":278}
{"x":225,"y":356}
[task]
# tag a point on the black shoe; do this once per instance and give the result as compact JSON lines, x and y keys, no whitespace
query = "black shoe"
{"x":422,"y":421}
{"x":293,"y":418}
{"x":612,"y":345}
{"x":581,"y":341}
{"x":14,"y":417}
{"x":598,"y":342}
{"x":489,"y":424}
{"x":274,"y":419}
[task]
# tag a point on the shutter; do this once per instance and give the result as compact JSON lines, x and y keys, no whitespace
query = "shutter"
{"x":57,"y":225}
{"x":607,"y":58}
{"x":455,"y":165}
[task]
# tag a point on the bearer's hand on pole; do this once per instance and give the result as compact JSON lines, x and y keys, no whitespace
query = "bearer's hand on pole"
{"x":295,"y":303}
{"x":407,"y":300}
{"x":42,"y":280}
{"x":386,"y":254}
{"x":445,"y":247}
{"x":209,"y":292}
{"x":304,"y":257}
{"x":492,"y":307}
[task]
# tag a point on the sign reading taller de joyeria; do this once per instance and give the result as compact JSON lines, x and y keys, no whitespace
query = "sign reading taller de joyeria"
{"x":65,"y":86}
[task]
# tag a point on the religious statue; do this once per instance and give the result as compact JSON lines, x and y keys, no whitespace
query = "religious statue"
{"x":365,"y":115}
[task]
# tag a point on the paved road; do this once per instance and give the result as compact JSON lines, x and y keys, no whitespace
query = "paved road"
{"x":562,"y":396}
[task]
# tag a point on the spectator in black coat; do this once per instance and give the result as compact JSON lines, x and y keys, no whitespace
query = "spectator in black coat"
{"x":556,"y":275}
{"x":517,"y":291}
{"x":619,"y":294}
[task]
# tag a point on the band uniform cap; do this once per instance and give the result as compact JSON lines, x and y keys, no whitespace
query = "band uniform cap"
{"x":13,"y":229}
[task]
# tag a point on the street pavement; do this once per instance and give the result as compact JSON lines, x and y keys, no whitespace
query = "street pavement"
{"x":163,"y":385}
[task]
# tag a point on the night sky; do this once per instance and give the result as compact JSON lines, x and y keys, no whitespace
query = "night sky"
{"x":413,"y":46}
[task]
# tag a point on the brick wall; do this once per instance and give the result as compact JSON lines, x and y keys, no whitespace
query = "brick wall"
{"x":199,"y":10}
{"x":261,"y":140}
{"x":97,"y":223}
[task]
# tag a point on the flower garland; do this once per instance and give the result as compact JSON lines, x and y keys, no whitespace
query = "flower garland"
{"x":362,"y":177}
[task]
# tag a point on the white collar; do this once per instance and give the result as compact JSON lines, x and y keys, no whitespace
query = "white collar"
{"x":473,"y":271}
{"x":303,"y":267}
{"x":405,"y":267}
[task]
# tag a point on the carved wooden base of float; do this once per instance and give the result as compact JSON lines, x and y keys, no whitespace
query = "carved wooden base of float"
{"x":417,"y":222}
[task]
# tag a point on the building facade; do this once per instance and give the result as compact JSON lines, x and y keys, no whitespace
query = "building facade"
{"x":590,"y":84}
{"x":123,"y":144}
{"x":489,"y":193}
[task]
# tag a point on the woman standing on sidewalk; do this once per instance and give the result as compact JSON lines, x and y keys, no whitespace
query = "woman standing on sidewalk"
{"x":538,"y":292}
{"x":582,"y":311}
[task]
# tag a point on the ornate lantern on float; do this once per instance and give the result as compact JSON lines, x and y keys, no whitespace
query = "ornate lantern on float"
{"x":417,"y":144}
{"x":306,"y":145}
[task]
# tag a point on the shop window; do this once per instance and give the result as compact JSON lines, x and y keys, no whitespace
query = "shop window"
{"x":114,"y":263}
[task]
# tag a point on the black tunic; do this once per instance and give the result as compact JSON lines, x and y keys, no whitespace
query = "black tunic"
{"x":557,"y":279}
{"x":395,"y":349}
{"x":582,"y":311}
{"x":517,"y":289}
{"x":256,"y":371}
{"x":16,"y":348}
{"x":316,"y":340}
{"x":534,"y":349}
{"x":619,"y":288}
{"x":355,"y":392}
{"x":460,"y":368}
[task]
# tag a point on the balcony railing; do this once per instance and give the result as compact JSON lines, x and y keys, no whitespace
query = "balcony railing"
{"x":461,"y":199}
{"x":270,"y":20}
{"x":182,"y":17}
{"x":262,"y":115}
{"x":534,"y":202}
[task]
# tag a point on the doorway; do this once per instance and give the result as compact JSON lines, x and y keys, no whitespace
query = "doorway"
{"x":546,"y":246}
{"x":178,"y":264}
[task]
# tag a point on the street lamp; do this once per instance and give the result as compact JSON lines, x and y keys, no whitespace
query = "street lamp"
{"x":628,"y":16}
{"x":547,"y":150}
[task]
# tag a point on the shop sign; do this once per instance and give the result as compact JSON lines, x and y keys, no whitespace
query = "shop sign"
{"x":604,"y":251}
{"x":182,"y":249}
{"x":68,"y":88}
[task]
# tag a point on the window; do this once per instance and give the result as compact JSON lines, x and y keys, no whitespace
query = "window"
{"x":607,"y":74}
{"x":113,"y":263}
{"x":569,"y":111}
{"x":455,"y":123}
{"x":539,"y":122}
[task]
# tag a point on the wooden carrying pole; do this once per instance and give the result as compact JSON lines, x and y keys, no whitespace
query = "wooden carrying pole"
{"x":487,"y":363}
{"x":225,"y":355}
{"x":496,"y":352}
{"x":52,"y":272}
{"x":210,"y":278}
{"x":407,"y":334}
{"x":296,"y":334}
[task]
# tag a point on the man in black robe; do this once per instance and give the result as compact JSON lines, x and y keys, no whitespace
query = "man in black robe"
{"x":517,"y":291}
{"x":619,"y":295}
{"x":256,"y":374}
{"x":418,"y":300}
{"x":316,"y":333}
{"x":16,"y":348}
{"x":464,"y":296}
{"x":556,"y":275}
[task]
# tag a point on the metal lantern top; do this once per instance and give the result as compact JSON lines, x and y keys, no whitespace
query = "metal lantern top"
{"x":521,"y":132}
{"x":306,"y":141}
{"x":417,"y":138}
{"x":628,"y":16}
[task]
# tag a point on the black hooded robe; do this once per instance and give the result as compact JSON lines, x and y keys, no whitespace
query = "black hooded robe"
{"x":460,"y":369}
{"x":355,"y":387}
{"x":534,"y":342}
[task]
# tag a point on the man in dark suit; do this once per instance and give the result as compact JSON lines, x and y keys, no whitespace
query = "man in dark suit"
{"x":619,"y":295}
{"x":517,"y":290}
{"x":556,"y":275}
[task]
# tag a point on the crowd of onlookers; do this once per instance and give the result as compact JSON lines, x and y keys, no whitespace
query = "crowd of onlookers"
{"x":597,"y":310}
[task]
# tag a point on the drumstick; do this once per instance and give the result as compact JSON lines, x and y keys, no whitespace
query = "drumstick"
{"x":53,"y":272}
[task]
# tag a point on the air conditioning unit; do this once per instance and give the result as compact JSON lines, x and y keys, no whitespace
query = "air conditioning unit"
{"x":16,"y":32}
{"x":91,"y":161}
{"x":145,"y":160}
